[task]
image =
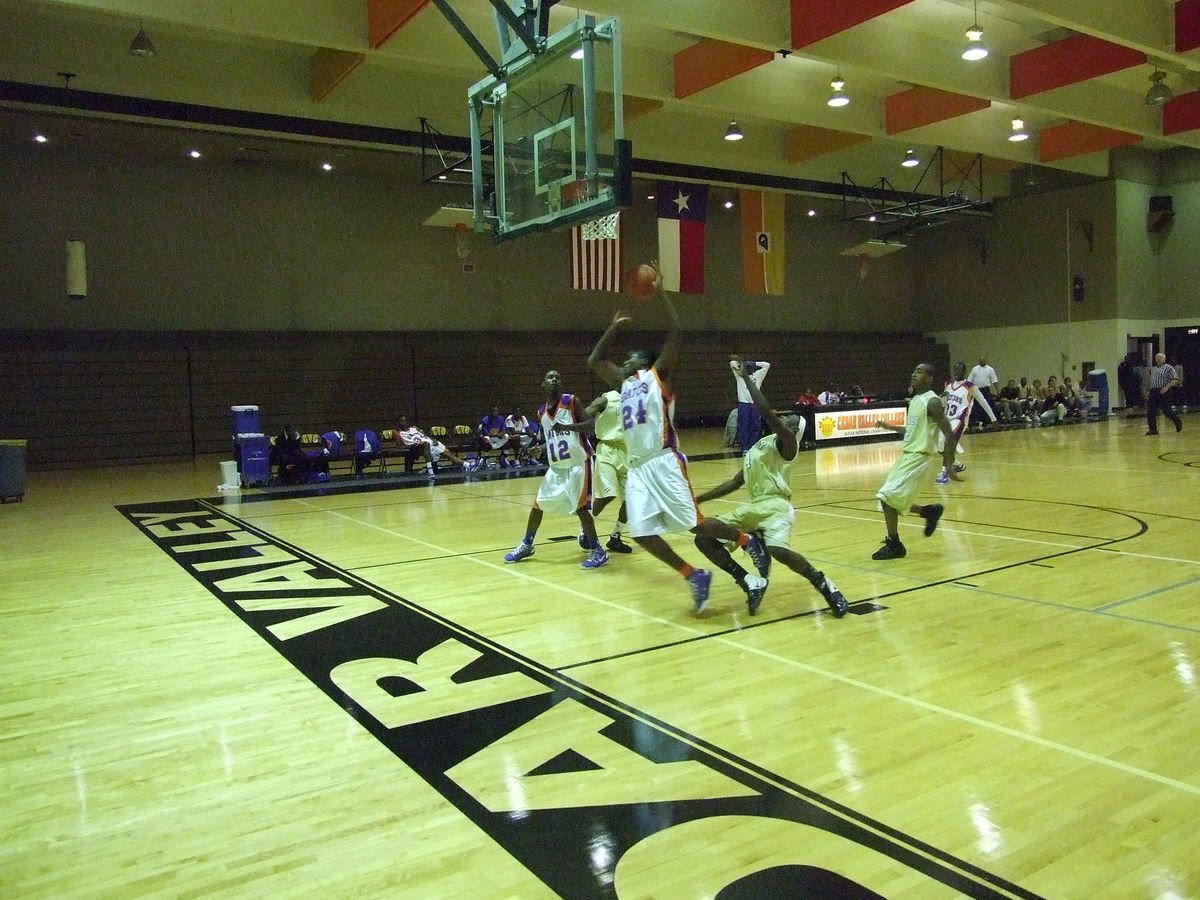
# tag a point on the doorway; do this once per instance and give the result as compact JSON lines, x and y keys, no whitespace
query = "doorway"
{"x":1183,"y":352}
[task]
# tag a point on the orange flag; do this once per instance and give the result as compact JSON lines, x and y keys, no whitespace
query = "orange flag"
{"x":763,"y":244}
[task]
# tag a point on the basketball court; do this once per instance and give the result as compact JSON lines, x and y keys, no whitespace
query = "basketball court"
{"x":1005,"y":712}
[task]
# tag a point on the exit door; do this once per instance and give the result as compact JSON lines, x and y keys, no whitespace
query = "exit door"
{"x":1183,"y":351}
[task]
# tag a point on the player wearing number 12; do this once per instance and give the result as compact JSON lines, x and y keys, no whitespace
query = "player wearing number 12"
{"x":658,"y":493}
{"x":567,"y":485}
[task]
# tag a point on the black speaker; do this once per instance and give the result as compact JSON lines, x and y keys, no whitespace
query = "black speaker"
{"x":1160,"y":215}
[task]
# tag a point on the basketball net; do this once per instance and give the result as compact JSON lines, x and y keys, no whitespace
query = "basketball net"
{"x":603,"y":228}
{"x":862,"y":265}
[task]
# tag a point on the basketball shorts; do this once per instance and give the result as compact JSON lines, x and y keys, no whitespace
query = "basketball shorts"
{"x":659,"y":498}
{"x":957,"y":427}
{"x":565,"y":491}
{"x":611,"y":470}
{"x":774,"y":516}
{"x":436,"y":449}
{"x":905,"y":480}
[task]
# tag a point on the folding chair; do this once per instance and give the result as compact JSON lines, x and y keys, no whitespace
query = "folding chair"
{"x":367,"y":450}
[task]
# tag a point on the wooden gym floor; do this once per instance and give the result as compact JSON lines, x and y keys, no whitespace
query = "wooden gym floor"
{"x":1009,"y":711}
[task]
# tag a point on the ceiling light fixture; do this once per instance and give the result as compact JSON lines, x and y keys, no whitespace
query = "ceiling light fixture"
{"x":975,"y":50}
{"x":811,"y":213}
{"x":328,"y":167}
{"x":729,"y":204}
{"x":839,"y":97}
{"x":733,"y":132}
{"x":142,"y":46}
{"x":1018,"y":131}
{"x":910,"y":158}
{"x":1159,"y":93}
{"x":577,"y":53}
{"x":194,"y":154}
{"x":40,"y":138}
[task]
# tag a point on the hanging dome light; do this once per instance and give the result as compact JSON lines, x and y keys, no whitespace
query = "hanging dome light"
{"x":141,"y":45}
{"x":839,"y":97}
{"x":975,"y":48}
{"x":734,"y":131}
{"x":1159,"y":93}
{"x":1018,"y":131}
{"x":910,"y":158}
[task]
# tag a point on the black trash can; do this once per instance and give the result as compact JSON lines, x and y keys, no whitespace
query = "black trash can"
{"x":12,"y":470}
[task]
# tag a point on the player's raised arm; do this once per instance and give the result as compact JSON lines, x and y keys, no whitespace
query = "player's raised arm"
{"x":785,"y":438}
{"x":669,"y":354}
{"x":607,"y":370}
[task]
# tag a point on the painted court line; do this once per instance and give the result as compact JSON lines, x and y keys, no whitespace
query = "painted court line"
{"x":966,"y":718}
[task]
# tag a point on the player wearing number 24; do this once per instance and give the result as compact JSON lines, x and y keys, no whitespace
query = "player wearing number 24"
{"x":658,"y":493}
{"x":566,"y":487}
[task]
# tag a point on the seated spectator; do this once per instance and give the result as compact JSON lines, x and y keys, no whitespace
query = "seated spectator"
{"x":808,"y":398}
{"x":829,"y":396}
{"x":856,"y":394}
{"x":1052,"y":410}
{"x":1029,"y":399}
{"x":412,"y":439}
{"x":319,"y":457}
{"x":1009,"y":401}
{"x":288,"y":458}
{"x":1071,"y":398}
{"x":521,"y":430}
{"x":493,"y":435}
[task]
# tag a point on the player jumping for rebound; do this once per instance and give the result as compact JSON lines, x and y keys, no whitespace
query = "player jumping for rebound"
{"x":658,"y":493}
{"x":769,"y":514}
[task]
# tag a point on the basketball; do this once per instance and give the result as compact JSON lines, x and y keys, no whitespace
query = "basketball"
{"x":640,"y":280}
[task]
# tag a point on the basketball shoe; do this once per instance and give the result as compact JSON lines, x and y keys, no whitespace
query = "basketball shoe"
{"x":833,"y":597}
{"x":522,"y":551}
{"x":756,"y":547}
{"x":755,"y":587}
{"x":699,"y":582}
{"x":595,"y":560}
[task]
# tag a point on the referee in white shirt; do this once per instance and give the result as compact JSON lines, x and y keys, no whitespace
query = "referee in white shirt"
{"x":983,"y":377}
{"x":1163,"y":380}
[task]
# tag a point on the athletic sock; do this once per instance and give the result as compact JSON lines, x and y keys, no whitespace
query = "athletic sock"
{"x":529,"y":538}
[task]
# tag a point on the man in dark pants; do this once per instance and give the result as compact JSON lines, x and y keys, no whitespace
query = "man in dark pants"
{"x":1163,"y":380}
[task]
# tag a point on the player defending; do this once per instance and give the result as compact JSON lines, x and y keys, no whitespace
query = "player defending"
{"x":925,"y":418}
{"x":769,"y":514}
{"x":960,"y":397}
{"x":658,"y":494}
{"x":567,"y":485}
{"x":610,"y":464}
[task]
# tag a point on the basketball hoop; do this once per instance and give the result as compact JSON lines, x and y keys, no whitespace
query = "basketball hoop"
{"x":462,"y":239}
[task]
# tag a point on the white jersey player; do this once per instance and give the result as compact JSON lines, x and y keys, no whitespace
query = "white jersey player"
{"x":959,"y":398}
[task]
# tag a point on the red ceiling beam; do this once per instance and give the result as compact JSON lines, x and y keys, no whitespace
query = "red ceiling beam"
{"x":815,"y":20}
{"x":925,"y":105}
{"x":1066,"y":62}
{"x":1187,"y":25}
{"x":710,"y":62}
{"x":1182,"y":113}
{"x":386,"y":17}
{"x":1077,"y":138}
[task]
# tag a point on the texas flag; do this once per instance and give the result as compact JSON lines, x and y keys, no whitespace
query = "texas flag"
{"x":681,"y":210}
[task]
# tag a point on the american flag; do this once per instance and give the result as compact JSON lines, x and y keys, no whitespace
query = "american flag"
{"x":595,"y":258}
